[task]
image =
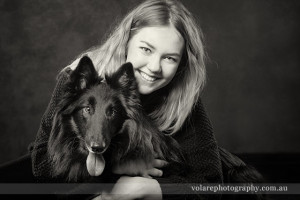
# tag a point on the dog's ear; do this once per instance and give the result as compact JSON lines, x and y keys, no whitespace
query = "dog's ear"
{"x":84,"y":75}
{"x":123,"y":81}
{"x":123,"y":78}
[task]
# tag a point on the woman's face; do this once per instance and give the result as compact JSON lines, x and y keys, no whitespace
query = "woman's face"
{"x":155,"y":53}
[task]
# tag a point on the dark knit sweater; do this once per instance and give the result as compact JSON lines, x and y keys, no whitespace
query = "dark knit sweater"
{"x":195,"y":138}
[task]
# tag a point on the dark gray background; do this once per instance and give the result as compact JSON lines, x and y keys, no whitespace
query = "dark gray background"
{"x":252,"y":93}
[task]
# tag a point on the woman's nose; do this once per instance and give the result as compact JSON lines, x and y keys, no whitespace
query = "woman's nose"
{"x":154,"y":65}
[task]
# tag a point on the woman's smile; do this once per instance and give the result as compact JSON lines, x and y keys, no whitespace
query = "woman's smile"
{"x":147,"y":77}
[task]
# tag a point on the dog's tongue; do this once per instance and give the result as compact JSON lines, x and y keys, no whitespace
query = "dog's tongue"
{"x":95,"y":164}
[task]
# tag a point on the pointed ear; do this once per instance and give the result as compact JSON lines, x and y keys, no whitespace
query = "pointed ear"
{"x":84,"y":75}
{"x":123,"y":78}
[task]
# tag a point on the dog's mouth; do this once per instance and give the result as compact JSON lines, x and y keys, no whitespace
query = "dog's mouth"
{"x":96,"y":148}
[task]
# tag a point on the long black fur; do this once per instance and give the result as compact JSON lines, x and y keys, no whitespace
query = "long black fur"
{"x":115,"y":117}
{"x":237,"y":171}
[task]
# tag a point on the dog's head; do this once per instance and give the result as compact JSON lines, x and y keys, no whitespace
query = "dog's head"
{"x":98,"y":109}
{"x":91,"y":113}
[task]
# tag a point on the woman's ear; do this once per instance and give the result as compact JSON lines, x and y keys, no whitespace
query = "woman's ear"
{"x":84,"y":75}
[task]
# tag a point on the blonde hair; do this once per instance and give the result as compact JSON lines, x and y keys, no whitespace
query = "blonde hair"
{"x":191,"y":74}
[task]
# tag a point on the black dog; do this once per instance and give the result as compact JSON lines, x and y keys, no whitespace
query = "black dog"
{"x":97,"y":118}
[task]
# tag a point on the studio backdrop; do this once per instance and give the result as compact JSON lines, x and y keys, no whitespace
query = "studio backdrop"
{"x":252,"y":93}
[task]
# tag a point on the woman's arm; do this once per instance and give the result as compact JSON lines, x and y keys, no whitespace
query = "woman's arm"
{"x":200,"y":149}
{"x":201,"y":152}
{"x":40,"y":162}
{"x":130,"y":188}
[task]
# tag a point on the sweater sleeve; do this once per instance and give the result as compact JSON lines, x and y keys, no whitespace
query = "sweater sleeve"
{"x":200,"y":149}
{"x":40,"y":162}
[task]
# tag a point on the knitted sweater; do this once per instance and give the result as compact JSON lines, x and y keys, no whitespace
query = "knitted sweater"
{"x":196,"y":140}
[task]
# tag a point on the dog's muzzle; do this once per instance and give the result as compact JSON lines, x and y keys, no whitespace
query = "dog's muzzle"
{"x":97,"y":148}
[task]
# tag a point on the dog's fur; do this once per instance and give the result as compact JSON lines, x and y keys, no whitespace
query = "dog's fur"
{"x":237,"y":171}
{"x":96,"y":111}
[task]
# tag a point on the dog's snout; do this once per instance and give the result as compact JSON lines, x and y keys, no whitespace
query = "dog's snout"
{"x":98,"y":148}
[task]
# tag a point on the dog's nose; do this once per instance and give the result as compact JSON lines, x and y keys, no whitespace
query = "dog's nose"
{"x":98,"y":148}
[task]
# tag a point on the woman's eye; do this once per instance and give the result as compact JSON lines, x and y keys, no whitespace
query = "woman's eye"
{"x":86,"y":109}
{"x":171,"y":59}
{"x":146,"y":50}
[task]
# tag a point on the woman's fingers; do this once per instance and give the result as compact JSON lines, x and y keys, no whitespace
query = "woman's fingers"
{"x":158,"y":163}
{"x":155,"y":172}
{"x":139,"y":167}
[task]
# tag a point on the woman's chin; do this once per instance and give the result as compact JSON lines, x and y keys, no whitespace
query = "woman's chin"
{"x":145,"y":91}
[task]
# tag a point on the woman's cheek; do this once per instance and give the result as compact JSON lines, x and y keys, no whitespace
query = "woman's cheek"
{"x":169,"y":71}
{"x":139,"y":61}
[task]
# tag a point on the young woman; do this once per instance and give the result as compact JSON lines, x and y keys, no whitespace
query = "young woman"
{"x":163,"y":42}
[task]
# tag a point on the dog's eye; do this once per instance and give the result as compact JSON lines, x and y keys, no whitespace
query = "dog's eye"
{"x":87,"y":109}
{"x":111,"y":112}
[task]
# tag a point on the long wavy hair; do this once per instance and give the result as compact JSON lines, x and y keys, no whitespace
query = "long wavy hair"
{"x":187,"y":84}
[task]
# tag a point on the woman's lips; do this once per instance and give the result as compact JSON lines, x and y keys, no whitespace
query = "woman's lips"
{"x":147,"y":77}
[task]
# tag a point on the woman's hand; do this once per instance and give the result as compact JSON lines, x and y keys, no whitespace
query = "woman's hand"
{"x":130,"y":188}
{"x":140,"y":168}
